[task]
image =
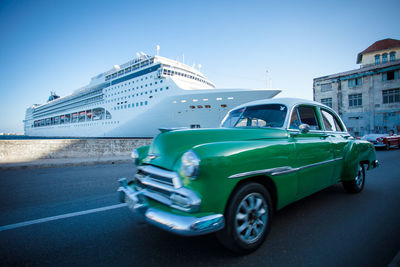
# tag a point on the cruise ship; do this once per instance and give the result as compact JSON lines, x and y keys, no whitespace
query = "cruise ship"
{"x":136,"y":99}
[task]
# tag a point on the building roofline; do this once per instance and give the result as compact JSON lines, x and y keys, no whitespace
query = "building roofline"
{"x":383,"y":44}
{"x":360,"y":70}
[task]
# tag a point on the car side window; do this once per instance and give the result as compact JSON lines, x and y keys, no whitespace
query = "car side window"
{"x":330,"y":122}
{"x":304,"y":114}
{"x":294,"y":120}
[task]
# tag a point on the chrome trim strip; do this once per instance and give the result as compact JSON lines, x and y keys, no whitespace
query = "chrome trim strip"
{"x":281,"y":170}
{"x":320,"y":163}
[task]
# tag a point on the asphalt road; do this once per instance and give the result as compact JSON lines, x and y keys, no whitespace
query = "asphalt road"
{"x":329,"y":228}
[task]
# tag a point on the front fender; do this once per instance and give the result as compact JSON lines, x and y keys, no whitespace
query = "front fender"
{"x":221,"y":161}
{"x":142,"y":151}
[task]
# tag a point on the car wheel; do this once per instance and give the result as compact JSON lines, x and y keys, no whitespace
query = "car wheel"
{"x":357,"y":184}
{"x":248,"y":218}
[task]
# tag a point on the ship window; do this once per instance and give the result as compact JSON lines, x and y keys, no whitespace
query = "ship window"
{"x":195,"y":100}
{"x":161,"y":81}
{"x":141,"y":103}
{"x":155,"y":90}
{"x":223,"y":106}
{"x":145,"y":102}
{"x":183,"y":101}
{"x":82,"y":116}
{"x":166,"y":87}
{"x":230,"y":98}
{"x":192,"y":107}
{"x":129,"y":105}
{"x":155,"y":82}
{"x":199,"y":106}
{"x":160,"y":89}
{"x":207,"y":106}
{"x":88,"y":115}
{"x":219,"y":98}
{"x":205,"y":99}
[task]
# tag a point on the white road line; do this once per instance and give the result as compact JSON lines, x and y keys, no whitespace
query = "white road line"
{"x":59,"y":217}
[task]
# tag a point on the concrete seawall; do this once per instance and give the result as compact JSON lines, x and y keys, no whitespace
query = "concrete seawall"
{"x":51,"y":152}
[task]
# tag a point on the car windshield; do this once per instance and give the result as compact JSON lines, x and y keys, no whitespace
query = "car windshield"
{"x":270,"y":115}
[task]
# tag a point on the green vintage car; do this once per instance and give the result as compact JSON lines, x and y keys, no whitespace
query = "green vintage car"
{"x":230,"y":180}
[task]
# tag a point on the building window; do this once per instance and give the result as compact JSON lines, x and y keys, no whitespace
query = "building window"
{"x":355,"y":82}
{"x":355,"y":100}
{"x":391,"y":96}
{"x":384,"y":58}
{"x":326,"y":87}
{"x":377,"y":59}
{"x":392,"y":56}
{"x":327,"y":101}
{"x":390,"y":75}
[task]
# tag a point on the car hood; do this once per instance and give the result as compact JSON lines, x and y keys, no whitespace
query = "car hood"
{"x":168,"y":147}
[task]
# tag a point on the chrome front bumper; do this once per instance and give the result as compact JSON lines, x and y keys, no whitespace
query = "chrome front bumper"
{"x":178,"y":224}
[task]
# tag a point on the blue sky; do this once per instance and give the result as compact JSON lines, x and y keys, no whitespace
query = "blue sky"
{"x":60,"y":45}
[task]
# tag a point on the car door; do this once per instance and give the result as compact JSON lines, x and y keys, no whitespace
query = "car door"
{"x":314,"y":152}
{"x":338,"y":137}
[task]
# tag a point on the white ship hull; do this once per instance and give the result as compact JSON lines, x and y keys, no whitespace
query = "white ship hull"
{"x":139,"y":106}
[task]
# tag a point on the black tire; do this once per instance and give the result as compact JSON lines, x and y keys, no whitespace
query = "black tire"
{"x":248,"y":218}
{"x":357,"y":184}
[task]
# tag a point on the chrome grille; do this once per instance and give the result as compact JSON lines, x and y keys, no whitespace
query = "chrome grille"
{"x":165,"y":187}
{"x":158,"y":181}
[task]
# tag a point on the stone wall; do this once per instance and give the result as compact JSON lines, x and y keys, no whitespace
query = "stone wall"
{"x":12,"y":151}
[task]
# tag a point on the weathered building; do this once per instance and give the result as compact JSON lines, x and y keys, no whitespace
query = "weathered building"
{"x":368,"y":98}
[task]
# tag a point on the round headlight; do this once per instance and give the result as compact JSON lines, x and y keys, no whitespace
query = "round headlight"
{"x":190,"y":164}
{"x":135,"y":156}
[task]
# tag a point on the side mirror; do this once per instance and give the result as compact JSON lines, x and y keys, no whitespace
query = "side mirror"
{"x":304,"y":128}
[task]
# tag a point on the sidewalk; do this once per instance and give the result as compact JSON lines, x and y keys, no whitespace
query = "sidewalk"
{"x":51,"y":163}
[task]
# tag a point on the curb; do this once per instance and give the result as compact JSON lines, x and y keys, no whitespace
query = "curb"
{"x":61,"y":163}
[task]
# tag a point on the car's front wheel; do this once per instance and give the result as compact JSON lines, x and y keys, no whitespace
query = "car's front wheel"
{"x":248,"y":218}
{"x":357,"y":184}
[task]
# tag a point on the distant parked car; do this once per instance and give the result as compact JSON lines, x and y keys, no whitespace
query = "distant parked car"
{"x":383,"y":140}
{"x":266,"y":155}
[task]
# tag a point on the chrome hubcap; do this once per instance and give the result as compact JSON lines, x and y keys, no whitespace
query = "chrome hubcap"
{"x":251,"y":218}
{"x":359,"y":178}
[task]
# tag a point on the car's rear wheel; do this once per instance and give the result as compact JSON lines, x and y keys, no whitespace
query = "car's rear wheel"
{"x":357,"y":184}
{"x":248,"y":218}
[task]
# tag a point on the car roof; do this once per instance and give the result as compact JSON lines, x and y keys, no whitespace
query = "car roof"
{"x":289,"y":102}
